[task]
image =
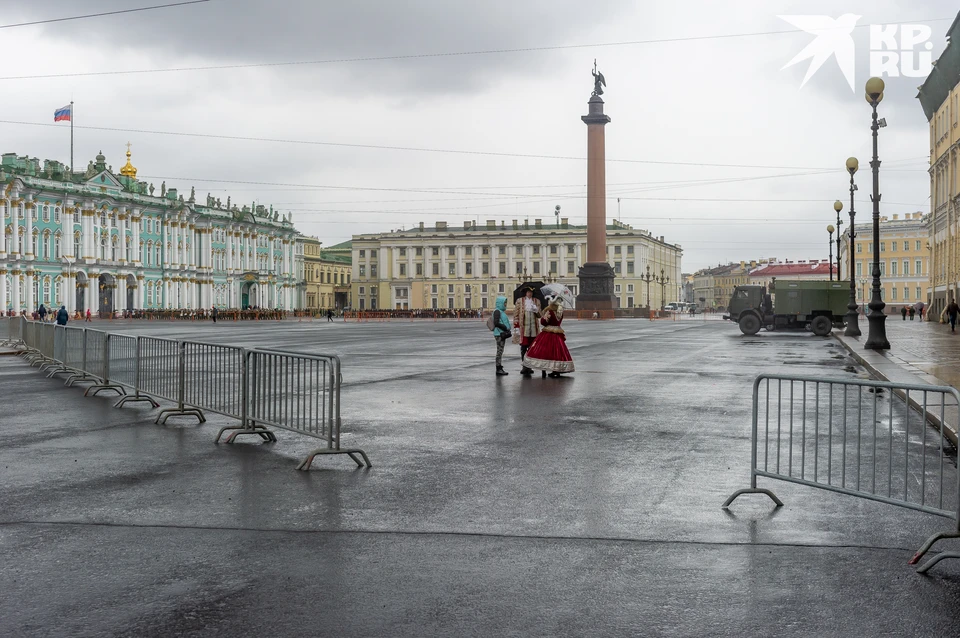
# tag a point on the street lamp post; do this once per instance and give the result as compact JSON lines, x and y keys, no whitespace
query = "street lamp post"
{"x":852,"y":317}
{"x":838,"y":206}
{"x":647,"y":279}
{"x":877,"y":335}
{"x":663,"y":280}
{"x":830,"y":230}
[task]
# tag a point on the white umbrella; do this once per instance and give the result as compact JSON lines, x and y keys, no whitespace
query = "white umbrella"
{"x":558,"y":290}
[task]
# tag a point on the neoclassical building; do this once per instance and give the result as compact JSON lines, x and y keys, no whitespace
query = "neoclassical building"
{"x":107,"y":242}
{"x":467,"y":268}
{"x":325,"y":275}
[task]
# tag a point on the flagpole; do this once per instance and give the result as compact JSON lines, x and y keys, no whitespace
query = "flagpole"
{"x":71,"y":141}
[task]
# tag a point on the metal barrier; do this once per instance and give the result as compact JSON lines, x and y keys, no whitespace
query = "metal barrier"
{"x":260,"y":388}
{"x":870,"y":439}
{"x":11,"y":331}
{"x":296,"y":392}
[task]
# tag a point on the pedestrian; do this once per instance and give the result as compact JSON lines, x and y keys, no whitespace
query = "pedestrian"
{"x":549,"y":352}
{"x":329,"y":315}
{"x":62,"y":316}
{"x":903,"y":312}
{"x":42,"y":312}
{"x":952,"y":311}
{"x":526,"y":312}
{"x":88,"y":317}
{"x":213,"y":314}
{"x":913,"y":311}
{"x":501,"y":332}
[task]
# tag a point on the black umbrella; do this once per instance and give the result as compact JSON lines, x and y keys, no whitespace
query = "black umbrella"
{"x":536,"y":285}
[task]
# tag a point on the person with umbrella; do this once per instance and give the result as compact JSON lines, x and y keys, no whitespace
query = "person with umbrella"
{"x":526,"y":312}
{"x":549,"y":352}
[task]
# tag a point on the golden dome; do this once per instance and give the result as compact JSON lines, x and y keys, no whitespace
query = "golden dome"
{"x":128,"y":169}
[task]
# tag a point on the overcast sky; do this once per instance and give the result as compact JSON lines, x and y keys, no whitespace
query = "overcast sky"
{"x":697,"y":99}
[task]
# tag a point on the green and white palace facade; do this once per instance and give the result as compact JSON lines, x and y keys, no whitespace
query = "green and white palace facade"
{"x":108,"y":242}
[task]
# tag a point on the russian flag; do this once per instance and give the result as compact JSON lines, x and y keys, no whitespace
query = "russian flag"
{"x":63,"y":114}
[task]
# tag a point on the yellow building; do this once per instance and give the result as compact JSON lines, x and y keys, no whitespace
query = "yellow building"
{"x":468,"y":267}
{"x":904,"y":260}
{"x":326,"y":276}
{"x":940,"y":98}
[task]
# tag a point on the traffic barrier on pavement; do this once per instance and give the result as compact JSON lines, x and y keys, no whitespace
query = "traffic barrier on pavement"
{"x":11,"y":331}
{"x":261,"y":388}
{"x":596,"y":314}
{"x":297,"y":392}
{"x":869,"y":439}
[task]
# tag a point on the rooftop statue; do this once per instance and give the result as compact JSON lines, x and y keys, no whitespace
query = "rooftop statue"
{"x":598,"y":81}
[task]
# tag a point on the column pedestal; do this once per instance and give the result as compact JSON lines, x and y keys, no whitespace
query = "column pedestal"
{"x":596,"y":287}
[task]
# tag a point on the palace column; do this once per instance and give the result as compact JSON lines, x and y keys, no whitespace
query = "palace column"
{"x":135,"y":228}
{"x":596,"y":275}
{"x":69,"y":292}
{"x":120,"y":296}
{"x":124,"y":243}
{"x":3,"y":289}
{"x":86,"y":233}
{"x":29,"y":282}
{"x":4,"y":205}
{"x":90,"y":292}
{"x":28,"y":229}
{"x":15,"y":290}
{"x":14,"y":226}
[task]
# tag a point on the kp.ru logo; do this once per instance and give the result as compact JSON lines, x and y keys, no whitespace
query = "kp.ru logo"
{"x":888,"y":56}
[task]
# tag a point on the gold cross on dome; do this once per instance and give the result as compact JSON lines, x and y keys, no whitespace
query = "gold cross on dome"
{"x":128,"y":147}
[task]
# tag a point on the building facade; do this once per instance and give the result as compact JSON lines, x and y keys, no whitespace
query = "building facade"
{"x":904,"y":260}
{"x":940,"y":99}
{"x":326,"y":277}
{"x":106,"y":242}
{"x":468,"y":267}
{"x":801,"y":270}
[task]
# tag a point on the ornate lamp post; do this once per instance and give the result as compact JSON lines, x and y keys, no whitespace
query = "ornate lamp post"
{"x":852,"y":317}
{"x":877,"y":335}
{"x":663,"y":280}
{"x":838,"y":206}
{"x":647,"y":279}
{"x":830,"y":230}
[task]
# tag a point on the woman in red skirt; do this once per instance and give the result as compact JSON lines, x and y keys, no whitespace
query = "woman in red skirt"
{"x":549,"y":351}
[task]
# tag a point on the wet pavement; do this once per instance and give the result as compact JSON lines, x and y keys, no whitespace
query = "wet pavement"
{"x":586,"y":505}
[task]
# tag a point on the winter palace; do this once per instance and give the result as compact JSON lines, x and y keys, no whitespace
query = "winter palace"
{"x":107,"y":242}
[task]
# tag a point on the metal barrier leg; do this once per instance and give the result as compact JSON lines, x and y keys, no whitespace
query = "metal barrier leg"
{"x":305,"y":465}
{"x":238,"y":430}
{"x":179,"y":411}
{"x":99,"y":387}
{"x":936,"y":559}
{"x":752,"y":490}
{"x":926,"y":548}
{"x":135,"y":398}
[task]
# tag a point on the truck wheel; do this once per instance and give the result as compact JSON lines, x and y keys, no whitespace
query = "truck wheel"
{"x":749,"y":324}
{"x":821,"y":326}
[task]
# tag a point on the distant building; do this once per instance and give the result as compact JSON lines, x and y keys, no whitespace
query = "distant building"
{"x":940,"y":99}
{"x":467,"y":268}
{"x":106,"y":242}
{"x":904,"y":260}
{"x":326,"y":276}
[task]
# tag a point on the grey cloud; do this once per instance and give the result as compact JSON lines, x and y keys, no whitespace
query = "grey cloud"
{"x":257,"y":31}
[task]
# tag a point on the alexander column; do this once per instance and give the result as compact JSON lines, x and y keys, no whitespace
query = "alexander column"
{"x":596,"y":275}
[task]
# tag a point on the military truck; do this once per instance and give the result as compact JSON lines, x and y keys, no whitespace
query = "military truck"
{"x":818,"y":306}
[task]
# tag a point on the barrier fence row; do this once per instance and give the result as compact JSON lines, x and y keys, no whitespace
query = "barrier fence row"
{"x":260,"y":388}
{"x":881,"y":441}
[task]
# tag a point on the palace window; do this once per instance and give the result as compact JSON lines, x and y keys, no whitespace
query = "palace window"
{"x":403,"y":270}
{"x":519,"y":251}
{"x":469,"y":251}
{"x":553,"y":250}
{"x":906,"y":245}
{"x":536,"y":250}
{"x":363,"y":253}
{"x":570,"y":267}
{"x":570,"y":249}
{"x":893,"y":246}
{"x":363,"y":271}
{"x":46,"y":213}
{"x":436,"y":269}
{"x":57,"y":248}
{"x":519,"y":268}
{"x":630,"y":266}
{"x":451,"y":251}
{"x":450,"y":289}
{"x":616,"y":250}
{"x":918,"y":268}
{"x":436,"y":251}
{"x":629,"y":250}
{"x":419,"y":270}
{"x":56,"y":215}
{"x":419,"y":251}
{"x":617,"y":267}
{"x":485,"y":250}
{"x":403,"y":252}
{"x":553,"y":267}
{"x":76,"y":245}
{"x":503,"y":268}
{"x":373,"y":270}
{"x":469,"y":268}
{"x":452,"y":269}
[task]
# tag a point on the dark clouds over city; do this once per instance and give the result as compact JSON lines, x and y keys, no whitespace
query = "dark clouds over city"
{"x":691,"y":103}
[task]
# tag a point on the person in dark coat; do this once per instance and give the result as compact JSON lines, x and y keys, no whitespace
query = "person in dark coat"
{"x":213,"y":314}
{"x":912,"y":311}
{"x":62,"y":316}
{"x":952,"y":310}
{"x":329,"y":315}
{"x":42,"y":312}
{"x":903,"y":312}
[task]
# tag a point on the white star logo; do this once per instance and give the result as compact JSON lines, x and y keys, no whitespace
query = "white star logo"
{"x":833,"y":39}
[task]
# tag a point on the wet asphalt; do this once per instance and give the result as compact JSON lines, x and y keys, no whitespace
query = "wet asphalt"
{"x":586,"y":505}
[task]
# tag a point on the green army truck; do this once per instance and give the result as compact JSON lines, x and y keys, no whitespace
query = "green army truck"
{"x":818,"y":306}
